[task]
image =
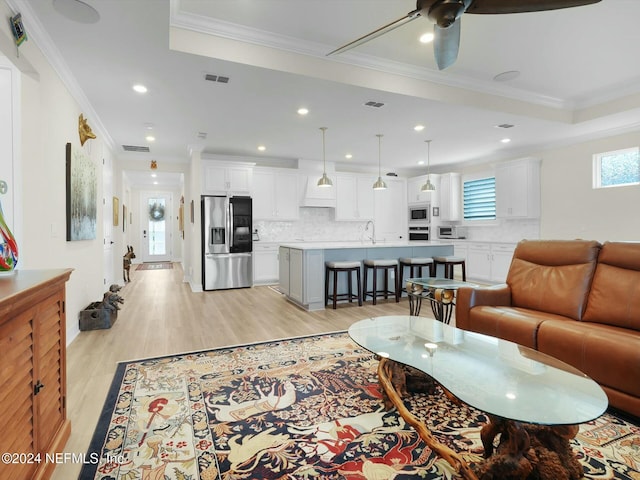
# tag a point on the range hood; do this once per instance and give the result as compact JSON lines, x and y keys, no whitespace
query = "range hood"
{"x":311,"y":194}
{"x":315,"y":196}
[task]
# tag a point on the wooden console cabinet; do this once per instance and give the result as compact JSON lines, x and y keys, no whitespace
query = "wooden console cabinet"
{"x":33,"y":381}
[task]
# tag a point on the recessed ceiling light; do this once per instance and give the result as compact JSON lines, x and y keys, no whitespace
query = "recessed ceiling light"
{"x":154,"y":175}
{"x":155,"y":183}
{"x":426,"y":37}
{"x":506,"y":76}
{"x":421,"y":162}
{"x":150,"y":138}
{"x":303,"y":111}
{"x":348,"y":156}
{"x":76,"y":10}
{"x":418,"y":128}
{"x":140,"y":88}
{"x":262,"y":148}
{"x":505,"y":140}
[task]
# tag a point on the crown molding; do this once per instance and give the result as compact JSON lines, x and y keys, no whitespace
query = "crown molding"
{"x":43,"y":41}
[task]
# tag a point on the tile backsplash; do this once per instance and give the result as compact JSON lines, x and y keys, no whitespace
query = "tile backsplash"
{"x":315,"y":224}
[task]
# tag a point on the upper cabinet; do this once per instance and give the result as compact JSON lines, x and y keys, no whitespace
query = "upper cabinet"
{"x":414,"y":193}
{"x":225,"y":179}
{"x":518,"y":189}
{"x":450,"y":197}
{"x":275,"y":195}
{"x":354,"y":197}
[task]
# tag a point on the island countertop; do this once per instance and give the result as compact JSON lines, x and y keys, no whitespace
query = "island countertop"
{"x":302,"y":265}
{"x":360,"y":245}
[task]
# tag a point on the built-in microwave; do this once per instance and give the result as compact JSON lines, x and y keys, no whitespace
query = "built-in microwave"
{"x":419,"y":214}
{"x":419,"y":234}
{"x":452,"y":231}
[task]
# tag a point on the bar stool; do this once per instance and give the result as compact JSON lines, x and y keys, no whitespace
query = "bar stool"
{"x":414,"y":263}
{"x":350,"y":268}
{"x":385,"y":265}
{"x":449,"y":262}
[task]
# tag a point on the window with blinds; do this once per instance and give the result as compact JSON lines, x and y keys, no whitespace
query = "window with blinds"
{"x":479,"y":197}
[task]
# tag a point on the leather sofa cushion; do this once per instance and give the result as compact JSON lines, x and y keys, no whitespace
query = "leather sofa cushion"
{"x":615,"y":293}
{"x":609,"y":355}
{"x":518,"y":325}
{"x":553,"y":276}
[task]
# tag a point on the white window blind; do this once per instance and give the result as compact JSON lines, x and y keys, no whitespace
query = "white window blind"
{"x":479,"y":197}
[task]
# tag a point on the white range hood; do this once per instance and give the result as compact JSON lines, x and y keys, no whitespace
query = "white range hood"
{"x":312,"y":194}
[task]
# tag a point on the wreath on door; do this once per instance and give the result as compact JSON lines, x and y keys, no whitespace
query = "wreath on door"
{"x":156,"y":212}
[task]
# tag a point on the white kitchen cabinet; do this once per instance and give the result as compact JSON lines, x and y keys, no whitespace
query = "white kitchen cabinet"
{"x":489,"y":262}
{"x":354,"y":197}
{"x":414,"y":193}
{"x":390,"y":208}
{"x":226,"y":179}
{"x":265,"y":263}
{"x":450,"y":197}
{"x":501,"y":256}
{"x":518,"y":189}
{"x":479,"y":261}
{"x":275,"y":195}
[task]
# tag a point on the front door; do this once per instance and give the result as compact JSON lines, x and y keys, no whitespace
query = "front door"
{"x":155,"y":212}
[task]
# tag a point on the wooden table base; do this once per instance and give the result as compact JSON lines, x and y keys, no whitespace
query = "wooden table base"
{"x":524,"y":451}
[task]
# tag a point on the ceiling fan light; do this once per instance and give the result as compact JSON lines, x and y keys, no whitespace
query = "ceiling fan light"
{"x":325,"y":181}
{"x":379,"y":185}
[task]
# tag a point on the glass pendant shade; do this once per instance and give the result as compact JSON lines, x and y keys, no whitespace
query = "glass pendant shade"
{"x":324,"y":180}
{"x":428,"y":186}
{"x":379,"y":185}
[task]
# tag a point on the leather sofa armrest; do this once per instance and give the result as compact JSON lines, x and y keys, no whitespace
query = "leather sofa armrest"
{"x":469,"y":297}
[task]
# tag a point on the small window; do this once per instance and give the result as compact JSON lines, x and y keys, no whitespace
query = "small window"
{"x":615,"y":169}
{"x":479,"y":197}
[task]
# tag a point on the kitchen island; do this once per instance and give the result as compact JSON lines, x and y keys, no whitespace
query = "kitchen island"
{"x":302,"y":264}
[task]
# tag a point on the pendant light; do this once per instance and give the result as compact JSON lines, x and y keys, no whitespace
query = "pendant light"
{"x":379,"y":185}
{"x":428,"y":186}
{"x":324,"y":180}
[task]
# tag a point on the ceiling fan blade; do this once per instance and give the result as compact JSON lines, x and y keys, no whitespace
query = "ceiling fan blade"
{"x":376,"y":33}
{"x":522,"y":6}
{"x":446,"y":43}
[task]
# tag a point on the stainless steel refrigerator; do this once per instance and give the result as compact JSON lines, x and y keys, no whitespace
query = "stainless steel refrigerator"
{"x":226,"y":242}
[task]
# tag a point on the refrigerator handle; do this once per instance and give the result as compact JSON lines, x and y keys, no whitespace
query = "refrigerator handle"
{"x":230,"y":225}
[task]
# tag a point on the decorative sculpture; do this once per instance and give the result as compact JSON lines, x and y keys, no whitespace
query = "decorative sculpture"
{"x":84,"y":130}
{"x":126,"y":263}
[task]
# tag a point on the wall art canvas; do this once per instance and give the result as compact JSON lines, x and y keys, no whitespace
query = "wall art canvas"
{"x":82,"y":188}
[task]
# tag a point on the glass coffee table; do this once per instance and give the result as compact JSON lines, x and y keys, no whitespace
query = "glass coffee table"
{"x":521,"y":390}
{"x":440,"y":292}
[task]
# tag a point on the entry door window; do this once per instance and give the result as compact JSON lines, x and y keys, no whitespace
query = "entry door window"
{"x":156,"y":226}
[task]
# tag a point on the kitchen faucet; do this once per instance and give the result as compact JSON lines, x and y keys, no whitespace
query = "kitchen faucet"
{"x":372,"y":237}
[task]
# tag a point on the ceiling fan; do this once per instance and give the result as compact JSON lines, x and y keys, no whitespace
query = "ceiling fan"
{"x":446,"y":16}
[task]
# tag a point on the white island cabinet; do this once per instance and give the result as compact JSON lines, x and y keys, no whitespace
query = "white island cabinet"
{"x":302,"y":265}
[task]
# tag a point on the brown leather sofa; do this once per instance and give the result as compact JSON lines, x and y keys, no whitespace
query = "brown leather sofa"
{"x":576,"y":300}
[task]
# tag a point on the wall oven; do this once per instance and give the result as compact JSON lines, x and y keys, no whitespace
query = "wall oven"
{"x":419,"y":214}
{"x":419,"y":234}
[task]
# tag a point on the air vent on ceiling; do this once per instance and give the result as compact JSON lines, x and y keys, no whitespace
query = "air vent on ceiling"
{"x":374,"y":104}
{"x":216,"y":78}
{"x":505,"y":125}
{"x":202,"y":135}
{"x":135,"y":148}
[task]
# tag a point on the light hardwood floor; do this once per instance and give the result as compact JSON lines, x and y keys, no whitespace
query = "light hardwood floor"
{"x":162,"y":316}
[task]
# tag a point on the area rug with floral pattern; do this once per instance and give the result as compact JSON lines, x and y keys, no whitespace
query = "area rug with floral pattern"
{"x":299,"y":408}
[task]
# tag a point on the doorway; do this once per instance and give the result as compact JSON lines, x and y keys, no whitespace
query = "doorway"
{"x":155,"y":212}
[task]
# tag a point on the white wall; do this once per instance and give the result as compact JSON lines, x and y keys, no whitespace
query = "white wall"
{"x":49,"y":119}
{"x":572,"y":208}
